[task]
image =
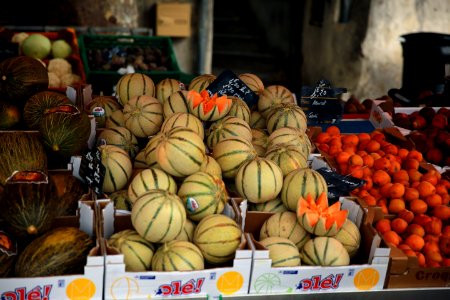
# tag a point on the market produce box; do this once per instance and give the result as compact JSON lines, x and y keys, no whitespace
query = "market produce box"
{"x":86,"y":285}
{"x":367,"y":270}
{"x":404,"y":271}
{"x":107,"y":57}
{"x":231,"y":278}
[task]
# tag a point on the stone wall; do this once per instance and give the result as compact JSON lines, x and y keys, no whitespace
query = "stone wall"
{"x":365,"y":55}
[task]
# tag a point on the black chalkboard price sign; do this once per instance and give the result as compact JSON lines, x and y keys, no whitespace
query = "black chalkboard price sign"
{"x":92,"y":170}
{"x":321,"y":104}
{"x":227,"y":83}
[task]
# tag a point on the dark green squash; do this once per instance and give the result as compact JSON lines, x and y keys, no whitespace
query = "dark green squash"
{"x":21,"y":77}
{"x":8,"y":253}
{"x":21,"y":151}
{"x":61,"y":251}
{"x":38,"y":104}
{"x":65,"y":130}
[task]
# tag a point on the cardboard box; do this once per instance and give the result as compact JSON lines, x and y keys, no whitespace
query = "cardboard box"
{"x":368,"y":274}
{"x":88,"y":285}
{"x":173,"y":19}
{"x":120,"y":284}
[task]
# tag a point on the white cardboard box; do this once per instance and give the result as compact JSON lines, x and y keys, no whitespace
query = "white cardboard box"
{"x":315,"y":279}
{"x":120,"y":284}
{"x":81,"y":286}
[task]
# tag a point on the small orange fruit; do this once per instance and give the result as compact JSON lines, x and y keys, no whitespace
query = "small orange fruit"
{"x":414,"y":154}
{"x":355,"y":160}
{"x":415,"y":229}
{"x":392,"y":237}
{"x":381,"y":177}
{"x":415,"y":242}
{"x":383,"y":225}
{"x":397,"y":190}
{"x":425,"y":189}
{"x":322,"y":137}
{"x":333,"y":130}
{"x":372,"y":146}
{"x":396,"y":205}
{"x":399,"y":225}
{"x":418,"y":206}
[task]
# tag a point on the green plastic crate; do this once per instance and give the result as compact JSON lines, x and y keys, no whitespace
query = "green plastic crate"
{"x":95,"y":50}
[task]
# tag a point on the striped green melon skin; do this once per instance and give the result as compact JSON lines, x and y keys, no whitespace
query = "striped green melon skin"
{"x":282,"y":251}
{"x":143,"y":116}
{"x":319,"y":228}
{"x":201,"y":82}
{"x":300,"y":183}
{"x":289,"y":136}
{"x":324,"y":251}
{"x":177,"y":102}
{"x":178,"y":256}
{"x":150,"y":150}
{"x":158,"y":216}
{"x":259,"y":137}
{"x":285,"y":225}
{"x":150,"y":179}
{"x":218,"y":237}
{"x":116,"y":119}
{"x":350,"y":237}
{"x":137,"y":252}
{"x":286,"y":115}
{"x":187,"y":234}
{"x":109,"y":105}
{"x":165,"y":88}
{"x":122,"y":138}
{"x":259,"y":180}
{"x":133,"y":85}
{"x":118,"y":168}
{"x":288,"y":158}
{"x":211,"y":166}
{"x":184,"y":120}
{"x":206,"y":191}
{"x":273,"y":95}
{"x":257,"y":120}
{"x":239,"y":109}
{"x":121,"y":200}
{"x":231,"y":153}
{"x":253,"y":82}
{"x":180,"y":152}
{"x":228,"y":127}
{"x":274,"y":206}
{"x":139,"y":160}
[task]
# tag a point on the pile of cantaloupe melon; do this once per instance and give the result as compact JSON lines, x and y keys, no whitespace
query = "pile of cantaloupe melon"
{"x":173,"y":157}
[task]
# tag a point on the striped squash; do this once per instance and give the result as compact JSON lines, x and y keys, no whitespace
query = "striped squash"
{"x":187,"y":234}
{"x":184,"y":120}
{"x":178,"y":256}
{"x":132,"y":85}
{"x":180,"y":152}
{"x":102,"y":107}
{"x":257,"y":120}
{"x":228,"y":127}
{"x":273,"y":95}
{"x":158,"y":216}
{"x":239,"y":108}
{"x":201,"y":82}
{"x":115,"y":119}
{"x":139,"y":160}
{"x":211,"y":166}
{"x":253,"y":82}
{"x":350,"y":237}
{"x":150,"y":150}
{"x":165,"y":88}
{"x":286,"y":115}
{"x":300,"y":183}
{"x":324,"y":251}
{"x":218,"y":237}
{"x":285,"y":225}
{"x":150,"y":179}
{"x":282,"y":251}
{"x":177,"y":102}
{"x":118,"y":168}
{"x":259,"y":180}
{"x":121,"y":200}
{"x":143,"y":115}
{"x":202,"y":195}
{"x":137,"y":252}
{"x":289,"y":136}
{"x":120,"y":137}
{"x":274,"y":206}
{"x":288,"y":157}
{"x":231,"y":153}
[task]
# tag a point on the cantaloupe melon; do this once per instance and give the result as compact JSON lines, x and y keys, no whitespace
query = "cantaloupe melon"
{"x":120,"y":137}
{"x":177,"y":102}
{"x":273,"y":95}
{"x":177,"y":256}
{"x":324,"y":251}
{"x":184,"y":120}
{"x":227,"y":127}
{"x":187,"y":234}
{"x":257,"y":120}
{"x":282,"y":251}
{"x":165,"y":88}
{"x":274,"y":206}
{"x":132,"y":85}
{"x":240,"y":109}
{"x":287,"y":157}
{"x":201,"y":82}
{"x":211,"y":166}
{"x":350,"y":237}
{"x":286,"y":115}
{"x":143,"y":115}
{"x":149,"y":179}
{"x":118,"y":168}
{"x":253,"y":82}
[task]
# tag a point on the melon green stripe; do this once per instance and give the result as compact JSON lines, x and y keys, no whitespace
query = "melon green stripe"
{"x":244,"y":169}
{"x":137,"y":255}
{"x":144,"y":86}
{"x":212,"y":203}
{"x":201,"y":183}
{"x":309,"y":259}
{"x":285,"y":260}
{"x":218,"y":242}
{"x":149,"y":225}
{"x":172,"y":109}
{"x":121,"y":167}
{"x":169,"y":223}
{"x":222,"y":256}
{"x":230,"y":153}
{"x":316,"y":253}
{"x":196,"y":194}
{"x":182,"y":258}
{"x":186,"y":153}
{"x":144,"y":204}
{"x":212,"y":113}
{"x":154,"y":178}
{"x":273,"y":174}
{"x":258,"y":177}
{"x":199,"y":234}
{"x":281,"y":244}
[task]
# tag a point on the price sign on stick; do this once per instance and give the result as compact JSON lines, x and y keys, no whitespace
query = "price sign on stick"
{"x":227,"y":83}
{"x":92,"y":170}
{"x":321,"y":104}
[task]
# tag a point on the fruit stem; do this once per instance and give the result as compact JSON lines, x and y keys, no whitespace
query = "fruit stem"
{"x":32,"y":229}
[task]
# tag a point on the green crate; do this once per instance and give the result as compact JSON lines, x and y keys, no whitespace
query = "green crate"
{"x":96,"y":50}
